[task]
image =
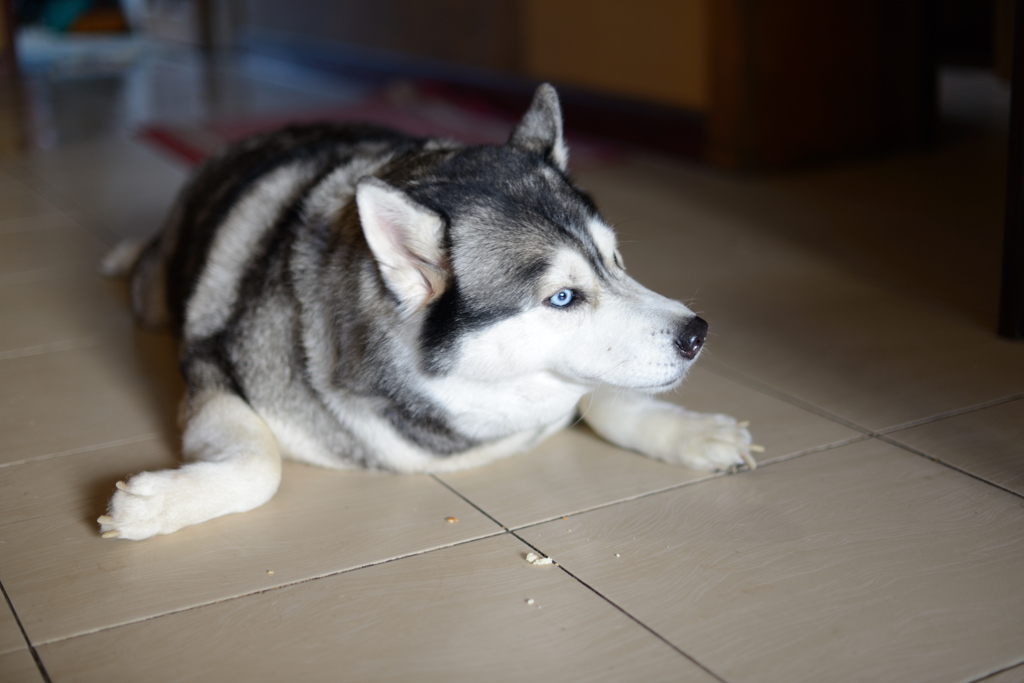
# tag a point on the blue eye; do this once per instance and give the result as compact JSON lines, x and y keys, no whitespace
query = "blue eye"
{"x":562,"y":298}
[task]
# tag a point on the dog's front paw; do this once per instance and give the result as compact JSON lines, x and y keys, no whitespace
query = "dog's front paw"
{"x":150,"y":504}
{"x":716,"y":443}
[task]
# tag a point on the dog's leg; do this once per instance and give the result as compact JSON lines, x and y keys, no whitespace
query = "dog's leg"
{"x":236,"y":467}
{"x":664,"y":431}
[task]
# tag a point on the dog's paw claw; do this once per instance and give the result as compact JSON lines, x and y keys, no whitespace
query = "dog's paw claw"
{"x":749,"y":459}
{"x":143,"y":507}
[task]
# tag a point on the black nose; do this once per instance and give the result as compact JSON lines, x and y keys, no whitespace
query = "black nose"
{"x":692,"y":337}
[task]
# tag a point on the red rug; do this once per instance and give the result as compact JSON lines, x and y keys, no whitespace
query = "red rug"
{"x":417,"y":110}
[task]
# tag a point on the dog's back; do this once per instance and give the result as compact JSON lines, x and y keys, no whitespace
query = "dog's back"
{"x":253,"y":180}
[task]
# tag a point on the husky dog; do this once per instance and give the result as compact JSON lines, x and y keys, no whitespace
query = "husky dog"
{"x":347,"y":296}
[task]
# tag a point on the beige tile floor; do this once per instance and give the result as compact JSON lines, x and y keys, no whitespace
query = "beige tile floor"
{"x":881,"y":539}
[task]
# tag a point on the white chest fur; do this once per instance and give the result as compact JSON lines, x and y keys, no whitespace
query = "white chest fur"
{"x":488,"y":409}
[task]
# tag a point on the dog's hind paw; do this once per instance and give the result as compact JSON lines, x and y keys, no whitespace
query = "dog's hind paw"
{"x":150,"y":504}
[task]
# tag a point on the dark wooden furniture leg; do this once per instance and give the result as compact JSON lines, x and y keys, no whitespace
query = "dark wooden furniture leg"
{"x":8,"y":61}
{"x":1011,"y":302}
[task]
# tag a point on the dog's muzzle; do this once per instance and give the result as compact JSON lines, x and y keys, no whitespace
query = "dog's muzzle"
{"x":692,"y":338}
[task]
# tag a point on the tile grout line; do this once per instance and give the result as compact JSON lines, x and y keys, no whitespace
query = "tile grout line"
{"x":951,"y":413}
{"x":694,"y":482}
{"x":271,"y":589}
{"x":505,"y":530}
{"x":751,"y":383}
{"x":624,"y":612}
{"x":997,"y":672}
{"x":469,"y":502}
{"x":581,"y":582}
{"x":815,"y":449}
{"x":86,"y":449}
{"x":939,"y":461}
{"x":51,"y":347}
{"x":34,"y":191}
{"x":70,"y":201}
{"x":24,"y":277}
{"x":28,"y":643}
{"x":865,"y":437}
{"x":6,"y":229}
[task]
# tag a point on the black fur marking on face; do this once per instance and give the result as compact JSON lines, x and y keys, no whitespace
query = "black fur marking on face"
{"x":530,"y":272}
{"x":448,"y":320}
{"x":509,"y":216}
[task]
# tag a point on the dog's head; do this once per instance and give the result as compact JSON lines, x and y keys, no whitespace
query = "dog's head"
{"x":508,"y":270}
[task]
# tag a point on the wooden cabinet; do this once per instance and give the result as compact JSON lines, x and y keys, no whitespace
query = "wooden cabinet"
{"x":774,"y":82}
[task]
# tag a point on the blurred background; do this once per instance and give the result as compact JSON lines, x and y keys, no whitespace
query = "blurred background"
{"x":749,"y":85}
{"x":778,"y":91}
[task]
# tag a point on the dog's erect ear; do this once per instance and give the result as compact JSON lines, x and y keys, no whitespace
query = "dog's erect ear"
{"x":407,"y":240}
{"x":540,"y":130}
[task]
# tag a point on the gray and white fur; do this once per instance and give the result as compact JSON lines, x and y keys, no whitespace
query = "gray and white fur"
{"x":347,"y":296}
